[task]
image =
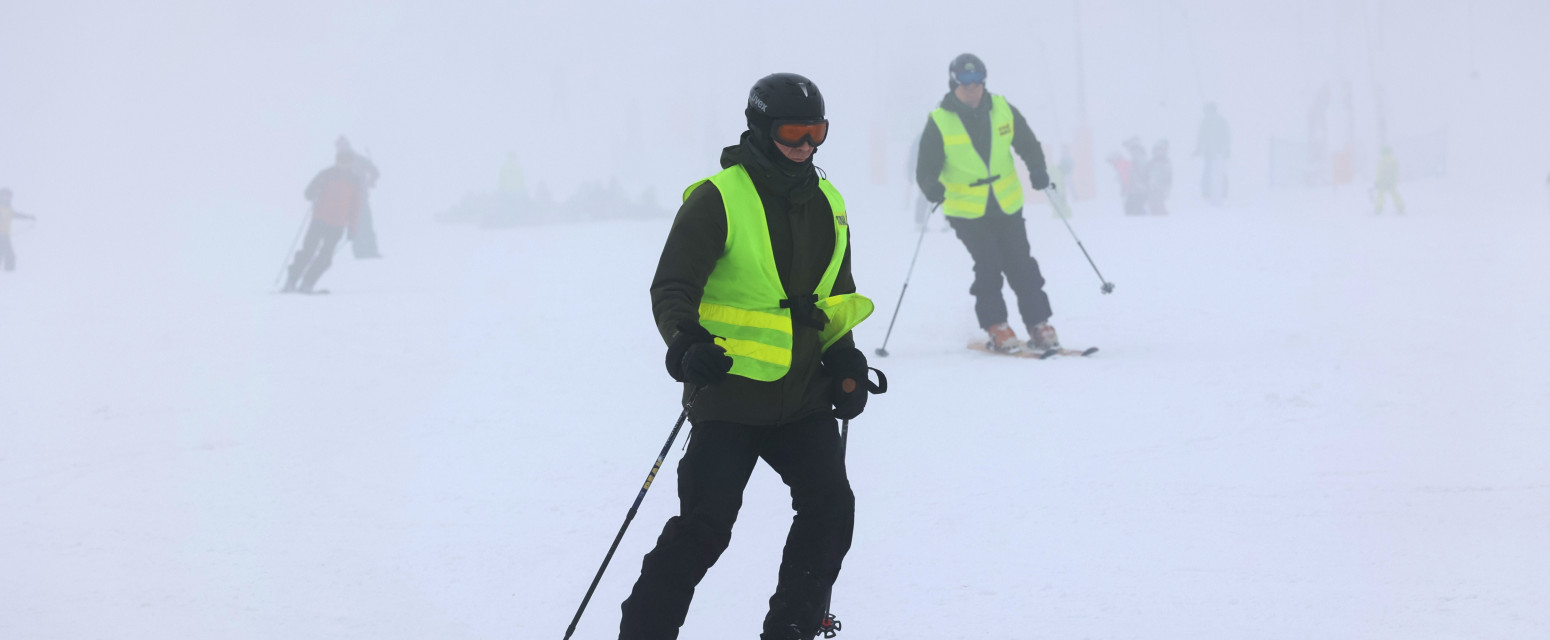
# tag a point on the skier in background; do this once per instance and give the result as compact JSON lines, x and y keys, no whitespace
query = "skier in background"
{"x":1060,"y":174}
{"x":1159,"y":174}
{"x":364,"y":239}
{"x":966,"y":165}
{"x":1121,"y":171}
{"x":1213,"y":146}
{"x":1387,"y":182}
{"x":1136,"y":181}
{"x":336,"y":195}
{"x":7,"y":252}
{"x":754,"y":296}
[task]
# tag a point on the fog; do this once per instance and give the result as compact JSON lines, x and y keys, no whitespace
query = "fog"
{"x":225,"y":110}
{"x":1307,"y":419}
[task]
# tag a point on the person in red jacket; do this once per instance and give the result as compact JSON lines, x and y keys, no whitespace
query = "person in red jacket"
{"x":336,"y":195}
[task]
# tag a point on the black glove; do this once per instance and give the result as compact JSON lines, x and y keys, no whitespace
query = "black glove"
{"x":694,"y":357}
{"x":936,"y":194}
{"x":1039,"y":180}
{"x":847,"y":367}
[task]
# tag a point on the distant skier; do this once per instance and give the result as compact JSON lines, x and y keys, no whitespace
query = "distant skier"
{"x":1213,"y":146}
{"x":7,"y":214}
{"x":1137,"y":180}
{"x":1387,"y":182}
{"x":966,"y":165}
{"x":1159,"y":173}
{"x":754,"y":297}
{"x":1061,"y":174}
{"x":363,"y":242}
{"x":336,"y":195}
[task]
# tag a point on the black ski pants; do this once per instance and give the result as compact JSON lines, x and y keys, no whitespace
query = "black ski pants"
{"x":315,"y":256}
{"x":711,"y":477}
{"x":998,"y":243}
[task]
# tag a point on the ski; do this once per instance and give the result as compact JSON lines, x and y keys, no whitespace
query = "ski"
{"x":1032,"y":354}
{"x":1025,"y":353}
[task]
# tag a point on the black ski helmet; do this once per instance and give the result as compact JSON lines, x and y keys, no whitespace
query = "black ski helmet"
{"x":783,"y":96}
{"x":966,"y":64}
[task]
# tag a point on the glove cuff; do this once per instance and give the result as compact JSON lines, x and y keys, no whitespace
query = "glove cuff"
{"x":687,"y":335}
{"x":842,"y":362}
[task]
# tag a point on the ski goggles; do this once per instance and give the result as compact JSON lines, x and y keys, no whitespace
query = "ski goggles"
{"x":970,"y":77}
{"x":793,"y":134}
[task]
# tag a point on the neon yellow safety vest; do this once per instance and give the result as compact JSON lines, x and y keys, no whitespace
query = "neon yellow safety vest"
{"x":741,"y":305}
{"x":964,"y":167}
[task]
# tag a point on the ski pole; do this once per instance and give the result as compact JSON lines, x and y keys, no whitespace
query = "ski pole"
{"x":631,"y":515}
{"x":830,"y":626}
{"x":292,"y":250}
{"x":883,"y":350}
{"x":1065,"y":215}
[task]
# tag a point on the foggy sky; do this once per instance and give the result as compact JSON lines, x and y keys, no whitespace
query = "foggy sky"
{"x":226,"y":109}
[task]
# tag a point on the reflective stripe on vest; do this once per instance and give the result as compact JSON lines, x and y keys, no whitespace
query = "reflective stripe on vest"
{"x":741,"y":302}
{"x":964,"y":166}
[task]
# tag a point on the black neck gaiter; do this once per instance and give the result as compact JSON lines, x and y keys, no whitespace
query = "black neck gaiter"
{"x":797,"y":180}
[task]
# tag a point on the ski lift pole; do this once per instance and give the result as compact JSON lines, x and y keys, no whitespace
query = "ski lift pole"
{"x":1065,"y":214}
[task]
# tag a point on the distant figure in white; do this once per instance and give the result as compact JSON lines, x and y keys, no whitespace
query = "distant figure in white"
{"x":1136,"y":182}
{"x":364,"y":241}
{"x":336,"y":195}
{"x":1160,"y":179}
{"x":8,"y":253}
{"x":1387,"y":182}
{"x":1213,"y":145}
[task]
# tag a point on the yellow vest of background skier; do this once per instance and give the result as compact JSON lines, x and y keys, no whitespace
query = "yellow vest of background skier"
{"x":741,"y":305}
{"x":965,"y":173}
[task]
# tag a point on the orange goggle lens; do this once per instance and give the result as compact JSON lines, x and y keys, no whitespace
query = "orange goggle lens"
{"x":792,"y":134}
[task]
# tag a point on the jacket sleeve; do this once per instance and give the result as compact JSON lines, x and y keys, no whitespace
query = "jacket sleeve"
{"x":1027,"y":145}
{"x":930,"y":160}
{"x":844,"y":283}
{"x":697,"y":239}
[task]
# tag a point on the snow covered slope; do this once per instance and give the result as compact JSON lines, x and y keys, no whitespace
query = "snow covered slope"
{"x":1306,"y":422}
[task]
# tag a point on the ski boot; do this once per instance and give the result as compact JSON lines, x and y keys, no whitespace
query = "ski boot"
{"x":1003,"y":340}
{"x":1044,"y":337}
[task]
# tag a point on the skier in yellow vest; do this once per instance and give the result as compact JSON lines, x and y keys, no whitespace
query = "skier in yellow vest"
{"x":966,"y":165}
{"x":754,"y":297}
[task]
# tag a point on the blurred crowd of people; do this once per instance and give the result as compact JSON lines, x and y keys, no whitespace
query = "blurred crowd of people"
{"x":1146,"y":178}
